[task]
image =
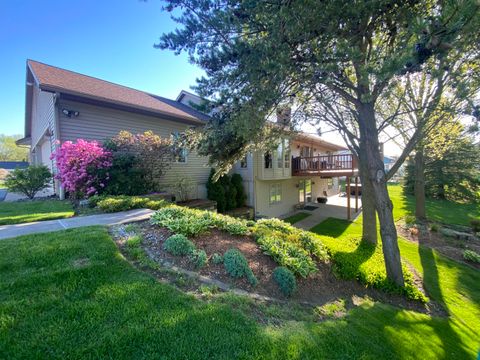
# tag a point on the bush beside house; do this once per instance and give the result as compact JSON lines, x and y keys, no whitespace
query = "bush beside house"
{"x":126,"y":164}
{"x":227,"y":191}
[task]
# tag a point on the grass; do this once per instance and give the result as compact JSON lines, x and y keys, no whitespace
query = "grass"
{"x":444,"y":211}
{"x":297,"y":217}
{"x":448,"y":283}
{"x":359,"y":260}
{"x":70,"y":294}
{"x":28,"y":211}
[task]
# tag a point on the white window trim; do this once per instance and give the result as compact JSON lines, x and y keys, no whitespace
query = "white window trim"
{"x":279,"y":193}
{"x":176,"y":134}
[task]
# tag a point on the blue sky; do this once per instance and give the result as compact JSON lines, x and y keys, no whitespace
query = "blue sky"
{"x":111,"y":40}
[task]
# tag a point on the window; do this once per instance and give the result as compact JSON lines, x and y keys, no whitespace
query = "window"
{"x":280,"y":156}
{"x":268,"y":160}
{"x":243,"y":162}
{"x":306,"y":151}
{"x":180,"y":153}
{"x":287,"y":155}
{"x":275,"y":194}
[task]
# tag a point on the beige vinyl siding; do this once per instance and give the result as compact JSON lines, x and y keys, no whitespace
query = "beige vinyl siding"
{"x":43,"y":119}
{"x":290,"y":195}
{"x":99,"y":123}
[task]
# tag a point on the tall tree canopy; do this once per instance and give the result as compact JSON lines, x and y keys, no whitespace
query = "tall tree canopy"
{"x":451,"y":162}
{"x":339,"y":56}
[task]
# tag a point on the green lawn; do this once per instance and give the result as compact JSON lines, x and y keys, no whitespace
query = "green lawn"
{"x":443,"y":211}
{"x":27,"y":211}
{"x":296,"y":218}
{"x":453,"y":285}
{"x":70,"y":294}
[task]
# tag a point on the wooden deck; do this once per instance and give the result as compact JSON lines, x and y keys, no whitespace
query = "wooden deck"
{"x":325,"y":166}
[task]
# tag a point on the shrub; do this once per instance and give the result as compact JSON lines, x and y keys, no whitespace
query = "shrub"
{"x":216,"y":192}
{"x":237,"y":183}
{"x":126,"y":177}
{"x":199,"y":258}
{"x":410,"y":219}
{"x":94,"y":200}
{"x":28,"y":181}
{"x":475,"y":225}
{"x":82,"y":167}
{"x":287,"y":254}
{"x":181,"y":220}
{"x":183,"y":188}
{"x":236,"y":266}
{"x":134,"y":241}
{"x":217,"y":258}
{"x":472,"y":256}
{"x":285,"y":280}
{"x":230,"y":192}
{"x":290,"y":246}
{"x":178,"y":245}
{"x":152,"y":155}
{"x":122,"y":203}
{"x":192,"y":222}
{"x":434,"y":228}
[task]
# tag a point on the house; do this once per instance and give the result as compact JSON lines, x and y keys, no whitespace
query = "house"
{"x":302,"y":170}
{"x":63,"y":105}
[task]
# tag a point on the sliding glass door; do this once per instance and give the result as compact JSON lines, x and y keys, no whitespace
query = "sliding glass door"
{"x":305,"y":191}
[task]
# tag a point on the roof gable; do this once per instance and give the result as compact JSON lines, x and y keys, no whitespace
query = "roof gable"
{"x":52,"y":78}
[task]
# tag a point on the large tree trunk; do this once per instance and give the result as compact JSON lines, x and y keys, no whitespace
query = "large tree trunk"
{"x":383,"y":204}
{"x":369,"y":228}
{"x":419,"y":187}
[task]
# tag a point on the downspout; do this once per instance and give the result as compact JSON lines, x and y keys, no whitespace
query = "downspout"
{"x":56,"y":121}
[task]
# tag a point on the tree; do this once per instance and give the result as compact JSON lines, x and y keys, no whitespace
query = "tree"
{"x":335,"y":57}
{"x":10,"y":151}
{"x":424,"y":106}
{"x":450,"y":165}
{"x":28,"y":181}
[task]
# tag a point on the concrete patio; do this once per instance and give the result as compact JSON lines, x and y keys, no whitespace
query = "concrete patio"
{"x":336,"y":207}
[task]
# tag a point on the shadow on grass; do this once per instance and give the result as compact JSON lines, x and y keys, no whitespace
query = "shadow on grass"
{"x":431,"y":282}
{"x":335,"y":228}
{"x":107,"y":308}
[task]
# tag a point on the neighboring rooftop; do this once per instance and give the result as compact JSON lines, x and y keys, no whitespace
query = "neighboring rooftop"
{"x":52,"y":78}
{"x":10,"y":165}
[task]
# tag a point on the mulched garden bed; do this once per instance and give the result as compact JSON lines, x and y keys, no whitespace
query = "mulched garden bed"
{"x":450,"y":247}
{"x":319,"y":288}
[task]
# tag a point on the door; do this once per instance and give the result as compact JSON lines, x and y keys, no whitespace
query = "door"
{"x":305,"y":191}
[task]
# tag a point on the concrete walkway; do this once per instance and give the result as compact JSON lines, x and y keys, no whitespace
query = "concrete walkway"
{"x":8,"y":231}
{"x":336,"y":207}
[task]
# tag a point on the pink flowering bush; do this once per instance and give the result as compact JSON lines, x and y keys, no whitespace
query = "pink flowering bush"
{"x":82,"y":167}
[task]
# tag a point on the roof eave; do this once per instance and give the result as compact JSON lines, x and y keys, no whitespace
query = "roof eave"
{"x":190,"y":119}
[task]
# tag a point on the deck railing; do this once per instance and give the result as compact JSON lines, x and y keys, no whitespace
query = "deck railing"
{"x":323,"y":163}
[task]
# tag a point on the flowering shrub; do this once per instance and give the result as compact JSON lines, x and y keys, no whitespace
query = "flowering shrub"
{"x":150,"y":156}
{"x":82,"y":167}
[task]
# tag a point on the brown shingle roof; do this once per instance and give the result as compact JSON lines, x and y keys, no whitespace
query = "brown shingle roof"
{"x":56,"y":79}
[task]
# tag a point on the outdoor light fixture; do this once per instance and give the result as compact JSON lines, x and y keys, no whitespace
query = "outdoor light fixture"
{"x":70,"y":113}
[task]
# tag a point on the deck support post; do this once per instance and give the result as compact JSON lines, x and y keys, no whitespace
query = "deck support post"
{"x":348,"y":198}
{"x":356,"y":194}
